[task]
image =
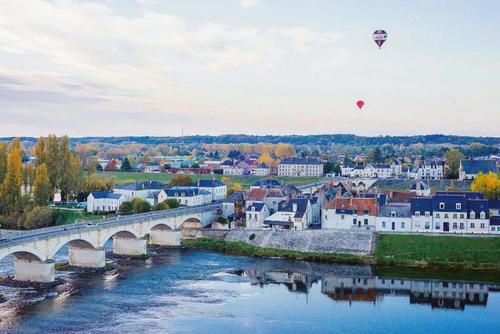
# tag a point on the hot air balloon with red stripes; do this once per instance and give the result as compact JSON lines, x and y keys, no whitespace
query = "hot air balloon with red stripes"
{"x":379,"y":36}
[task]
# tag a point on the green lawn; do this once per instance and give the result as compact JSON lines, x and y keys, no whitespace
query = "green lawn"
{"x":70,"y":216}
{"x":421,"y":250}
{"x":246,"y":181}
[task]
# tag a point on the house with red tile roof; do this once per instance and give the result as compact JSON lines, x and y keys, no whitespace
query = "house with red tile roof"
{"x":350,"y":213}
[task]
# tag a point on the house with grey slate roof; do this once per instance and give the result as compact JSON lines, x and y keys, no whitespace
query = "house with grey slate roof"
{"x":470,"y":168}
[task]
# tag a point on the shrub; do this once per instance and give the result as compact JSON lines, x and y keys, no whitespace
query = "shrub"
{"x":37,"y":218}
{"x":251,"y":237}
{"x":126,"y":208}
{"x":181,"y":180}
{"x":140,"y":206}
{"x":161,"y":206}
{"x":172,"y":203}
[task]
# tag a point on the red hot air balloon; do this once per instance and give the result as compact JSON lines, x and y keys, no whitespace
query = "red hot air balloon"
{"x":360,"y":104}
{"x":379,"y":36}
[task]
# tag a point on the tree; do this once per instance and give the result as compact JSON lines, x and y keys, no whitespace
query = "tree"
{"x":91,"y":166}
{"x":284,"y":151}
{"x":140,"y":206}
{"x":96,"y":182}
{"x":52,"y":161}
{"x":41,"y":186}
{"x":4,"y":153}
{"x":126,"y":167}
{"x":181,"y":180}
{"x":233,"y":187}
{"x":328,"y":166}
{"x":375,"y":155}
{"x":161,"y":206}
{"x":66,"y":168}
{"x":488,"y":184}
{"x":268,"y":160}
{"x":36,"y":218}
{"x":111,"y":166}
{"x":453,"y":158}
{"x":40,"y":151}
{"x":10,"y":190}
{"x":126,"y":208}
{"x":172,"y":203}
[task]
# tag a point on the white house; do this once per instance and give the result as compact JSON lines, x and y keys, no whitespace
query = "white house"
{"x":349,"y":213}
{"x":294,"y":214}
{"x":140,"y":189}
{"x":381,"y":171}
{"x":102,"y":201}
{"x":216,"y":188}
{"x":395,"y":217}
{"x":189,"y":196}
{"x":262,"y":169}
{"x":495,"y":225}
{"x":300,"y":167}
{"x":156,"y":197}
{"x":428,"y":170}
{"x":396,"y":168}
{"x":255,"y":214}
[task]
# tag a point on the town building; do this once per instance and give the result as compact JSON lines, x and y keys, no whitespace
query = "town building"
{"x":233,"y":207}
{"x":255,"y":214}
{"x":427,"y":170}
{"x":470,"y":168}
{"x":394,"y":217}
{"x":138,"y":189}
{"x":189,"y":196}
{"x":103,"y":201}
{"x":261,"y":169}
{"x":309,"y":167}
{"x":216,"y":188}
{"x":349,"y":213}
{"x":294,"y":214}
{"x":156,"y":196}
{"x":266,"y":183}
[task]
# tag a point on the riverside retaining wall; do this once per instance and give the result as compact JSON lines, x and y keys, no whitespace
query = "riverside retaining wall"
{"x":324,"y":241}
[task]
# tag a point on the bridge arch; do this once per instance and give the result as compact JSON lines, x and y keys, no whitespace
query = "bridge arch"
{"x":161,"y":227}
{"x":191,"y":223}
{"x":121,"y":234}
{"x":78,"y":242}
{"x":24,"y":253}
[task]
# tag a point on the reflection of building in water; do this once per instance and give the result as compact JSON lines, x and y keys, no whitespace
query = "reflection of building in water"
{"x":295,"y":282}
{"x":440,"y":294}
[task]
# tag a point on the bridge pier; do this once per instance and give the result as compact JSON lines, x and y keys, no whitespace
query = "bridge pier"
{"x":34,"y":270}
{"x":129,"y":246}
{"x":165,"y":237}
{"x":87,"y":257}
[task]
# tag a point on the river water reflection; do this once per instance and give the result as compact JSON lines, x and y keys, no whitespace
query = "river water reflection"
{"x":186,"y":291}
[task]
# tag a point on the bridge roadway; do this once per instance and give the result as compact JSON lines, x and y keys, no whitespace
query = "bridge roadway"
{"x":34,"y":250}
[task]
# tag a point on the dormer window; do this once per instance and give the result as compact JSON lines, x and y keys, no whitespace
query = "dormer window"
{"x":427,"y":213}
{"x":472,"y":215}
{"x":417,"y":213}
{"x":441,"y":205}
{"x":482,"y":215}
{"x":458,"y":206}
{"x":393,"y":213}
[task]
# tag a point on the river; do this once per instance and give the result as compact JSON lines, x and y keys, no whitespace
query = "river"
{"x":190,"y":291}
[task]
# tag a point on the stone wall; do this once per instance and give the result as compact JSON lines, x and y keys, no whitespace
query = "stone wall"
{"x":325,"y":241}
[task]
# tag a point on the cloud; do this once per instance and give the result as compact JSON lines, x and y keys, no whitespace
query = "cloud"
{"x":249,"y":3}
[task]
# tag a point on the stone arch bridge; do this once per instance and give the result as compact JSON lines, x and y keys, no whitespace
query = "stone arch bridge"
{"x":34,"y":251}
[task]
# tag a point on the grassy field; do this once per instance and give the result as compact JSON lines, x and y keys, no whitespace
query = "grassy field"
{"x":246,"y":181}
{"x":70,"y":216}
{"x":439,"y":251}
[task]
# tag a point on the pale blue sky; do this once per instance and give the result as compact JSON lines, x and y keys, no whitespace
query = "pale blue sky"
{"x":154,"y":67}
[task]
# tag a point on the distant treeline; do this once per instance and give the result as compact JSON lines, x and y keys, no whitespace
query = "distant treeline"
{"x":325,"y":139}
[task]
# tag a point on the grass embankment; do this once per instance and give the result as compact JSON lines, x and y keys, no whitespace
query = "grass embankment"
{"x":70,"y":216}
{"x":245,"y":181}
{"x":439,"y":251}
{"x":243,"y":249}
{"x":65,"y":266}
{"x":411,"y":251}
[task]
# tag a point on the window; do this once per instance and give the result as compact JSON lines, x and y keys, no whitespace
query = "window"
{"x":427,"y":213}
{"x":427,"y":225}
{"x":445,"y":215}
{"x":455,"y":226}
{"x":417,"y":213}
{"x":455,"y":216}
{"x":354,"y":221}
{"x":472,"y":225}
{"x":402,"y":225}
{"x":461,"y":226}
{"x":441,"y":206}
{"x":383,"y":224}
{"x":482,"y":225}
{"x":342,"y":216}
{"x":458,"y":206}
{"x":437,"y":215}
{"x":482,"y":215}
{"x":461,"y":216}
{"x":393,"y":214}
{"x":366,"y":221}
{"x":438,"y":226}
{"x":366,"y":212}
{"x":472,"y":215}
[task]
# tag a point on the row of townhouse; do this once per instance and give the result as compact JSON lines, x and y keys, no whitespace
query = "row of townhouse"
{"x":373,"y":170}
{"x":230,"y":167}
{"x":154,"y":192}
{"x":444,"y":212}
{"x":309,"y":167}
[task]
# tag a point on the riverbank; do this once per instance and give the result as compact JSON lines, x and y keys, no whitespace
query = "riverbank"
{"x":416,"y":251}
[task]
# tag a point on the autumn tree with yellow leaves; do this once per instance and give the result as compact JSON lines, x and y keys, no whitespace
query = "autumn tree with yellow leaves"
{"x":488,"y":184}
